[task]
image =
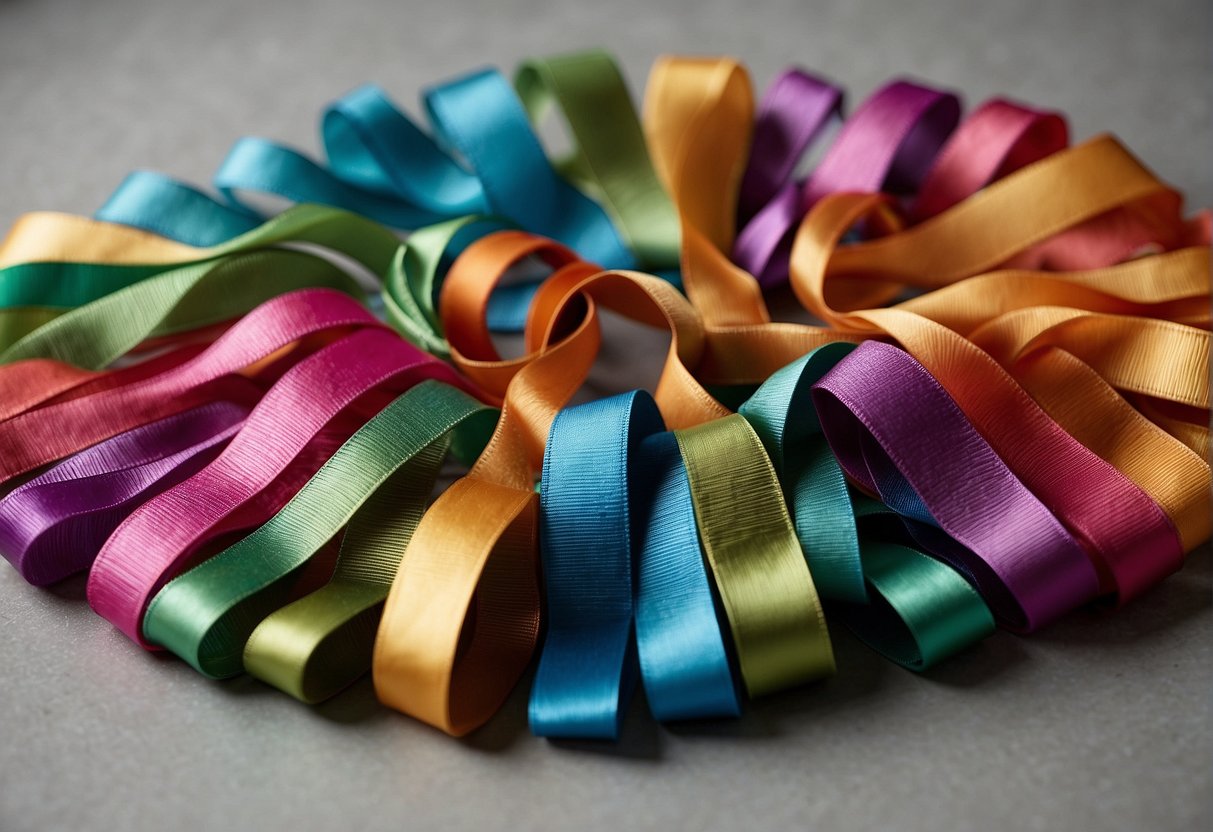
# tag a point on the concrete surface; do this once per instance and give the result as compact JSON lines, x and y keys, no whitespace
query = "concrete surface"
{"x":1099,"y":723}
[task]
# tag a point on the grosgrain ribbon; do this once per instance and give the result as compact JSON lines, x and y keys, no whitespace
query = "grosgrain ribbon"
{"x":52,"y":526}
{"x":270,"y":450}
{"x":875,"y":407}
{"x":384,"y":167}
{"x":1039,"y":440}
{"x":908,"y":606}
{"x":52,"y":262}
{"x":736,"y":318}
{"x":230,"y":612}
{"x":587,"y":665}
{"x":98,"y":409}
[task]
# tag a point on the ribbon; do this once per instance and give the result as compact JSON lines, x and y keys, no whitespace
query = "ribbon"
{"x":680,"y":636}
{"x":52,"y":262}
{"x":103,"y":408}
{"x":382,"y":166}
{"x":282,"y":444}
{"x":419,"y":666}
{"x":594,"y":534}
{"x":230,"y":611}
{"x":51,"y":526}
{"x":1029,"y":568}
{"x":1038,"y":438}
{"x":1105,"y":177}
{"x":908,"y":606}
{"x":765,"y":587}
{"x":586,"y":669}
{"x":609,"y":159}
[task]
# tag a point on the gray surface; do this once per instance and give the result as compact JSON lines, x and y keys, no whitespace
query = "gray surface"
{"x":1099,"y":723}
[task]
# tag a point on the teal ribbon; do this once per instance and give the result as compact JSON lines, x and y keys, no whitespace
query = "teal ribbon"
{"x":782,"y":414}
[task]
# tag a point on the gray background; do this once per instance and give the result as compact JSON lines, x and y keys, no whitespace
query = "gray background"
{"x":1101,"y":722}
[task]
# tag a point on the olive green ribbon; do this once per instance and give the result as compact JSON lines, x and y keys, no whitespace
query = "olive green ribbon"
{"x":775,"y":616}
{"x":609,"y":159}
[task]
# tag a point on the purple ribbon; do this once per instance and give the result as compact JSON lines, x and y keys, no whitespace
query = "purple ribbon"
{"x":888,"y":144}
{"x":53,"y":526}
{"x":897,"y":433}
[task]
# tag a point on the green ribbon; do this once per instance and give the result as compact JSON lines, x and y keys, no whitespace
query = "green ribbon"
{"x":97,"y":333}
{"x":415,"y":276}
{"x":231,"y":612}
{"x":33,"y":294}
{"x":610,"y":159}
{"x":921,"y":610}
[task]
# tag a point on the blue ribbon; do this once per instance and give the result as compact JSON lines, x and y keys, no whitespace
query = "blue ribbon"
{"x":615,"y":495}
{"x":683,"y":660}
{"x":586,"y":672}
{"x":164,"y":206}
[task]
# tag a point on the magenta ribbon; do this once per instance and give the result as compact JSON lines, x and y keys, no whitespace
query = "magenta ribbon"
{"x":56,"y":430}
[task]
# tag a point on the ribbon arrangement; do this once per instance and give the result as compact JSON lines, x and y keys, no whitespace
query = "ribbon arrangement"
{"x":1002,"y":416}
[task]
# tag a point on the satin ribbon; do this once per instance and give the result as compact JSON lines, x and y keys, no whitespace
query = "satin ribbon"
{"x":418,"y":665}
{"x":766,"y":590}
{"x":1135,"y":545}
{"x":911,"y":608}
{"x":104,"y":406}
{"x":681,"y":635}
{"x":896,"y":139}
{"x":587,"y":666}
{"x":982,"y":342}
{"x":796,"y":109}
{"x":1029,"y":568}
{"x":887,"y":144}
{"x":461,"y":618}
{"x":384,"y":167}
{"x":609,"y":159}
{"x":923,"y":610}
{"x":768,"y":665}
{"x":174,"y":302}
{"x":596,"y":531}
